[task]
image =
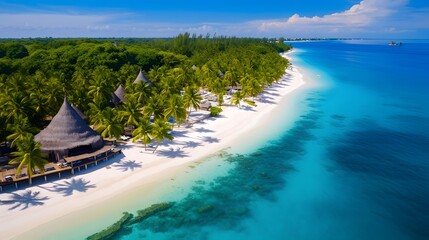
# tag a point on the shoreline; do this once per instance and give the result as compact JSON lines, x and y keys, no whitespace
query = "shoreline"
{"x":138,"y":168}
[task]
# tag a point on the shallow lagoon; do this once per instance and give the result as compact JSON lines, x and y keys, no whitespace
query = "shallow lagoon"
{"x":350,"y":161}
{"x":354,"y":165}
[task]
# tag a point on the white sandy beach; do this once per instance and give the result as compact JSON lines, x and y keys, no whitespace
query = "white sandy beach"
{"x":137,"y":167}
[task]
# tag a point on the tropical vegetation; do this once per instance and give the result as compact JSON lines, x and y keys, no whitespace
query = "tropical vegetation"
{"x":36,"y":74}
{"x":30,"y":156}
{"x":215,"y":111}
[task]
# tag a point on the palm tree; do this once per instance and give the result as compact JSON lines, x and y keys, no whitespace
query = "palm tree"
{"x":175,"y":108}
{"x":38,"y":102}
{"x":191,"y":99}
{"x":251,"y":87}
{"x":96,"y":92}
{"x":157,"y":73}
{"x":80,"y":98}
{"x":15,"y":104}
{"x":154,"y":107}
{"x":190,"y":76}
{"x":100,"y":89}
{"x":230,"y":78}
{"x":143,"y":131}
{"x":129,"y":112}
{"x":160,"y":131}
{"x":30,"y":155}
{"x":63,"y":82}
{"x":205,"y":75}
{"x":54,"y":99}
{"x":15,"y":83}
{"x":168,"y":85}
{"x":141,"y":91}
{"x":95,"y":114}
{"x":236,"y":98}
{"x":218,"y":88}
{"x":184,"y":76}
{"x":39,"y":94}
{"x":21,"y":130}
{"x":110,"y":125}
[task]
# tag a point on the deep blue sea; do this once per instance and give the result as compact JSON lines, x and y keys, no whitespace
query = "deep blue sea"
{"x":354,"y":164}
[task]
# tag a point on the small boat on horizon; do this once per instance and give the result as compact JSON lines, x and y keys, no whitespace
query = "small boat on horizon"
{"x":392,"y":43}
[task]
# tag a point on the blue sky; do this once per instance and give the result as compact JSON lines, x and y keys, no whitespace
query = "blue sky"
{"x":288,"y":18}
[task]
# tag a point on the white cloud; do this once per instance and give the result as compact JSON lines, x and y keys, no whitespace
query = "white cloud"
{"x":368,"y":18}
{"x":98,"y":27}
{"x":359,"y":16}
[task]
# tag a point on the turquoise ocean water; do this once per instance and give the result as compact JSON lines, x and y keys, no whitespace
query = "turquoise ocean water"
{"x":353,"y":165}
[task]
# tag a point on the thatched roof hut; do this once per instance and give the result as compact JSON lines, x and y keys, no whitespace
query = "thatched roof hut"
{"x":142,"y":78}
{"x":115,"y":100}
{"x":120,"y":93}
{"x":66,"y":131}
{"x":83,"y":116}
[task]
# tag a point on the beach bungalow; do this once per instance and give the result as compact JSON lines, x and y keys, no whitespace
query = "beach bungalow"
{"x":68,"y":134}
{"x":69,"y":141}
{"x":142,"y":78}
{"x":83,"y":116}
{"x":118,"y":96}
{"x":120,"y":93}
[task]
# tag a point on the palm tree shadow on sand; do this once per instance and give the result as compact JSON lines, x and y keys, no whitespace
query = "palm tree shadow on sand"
{"x":203,"y":130}
{"x":25,"y":200}
{"x":129,"y":165}
{"x":192,"y":144}
{"x":209,"y":139}
{"x":68,"y":187}
{"x":173,"y":153}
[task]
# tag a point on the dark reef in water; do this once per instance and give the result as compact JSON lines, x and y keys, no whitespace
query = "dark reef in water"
{"x":225,"y":202}
{"x":113,"y":230}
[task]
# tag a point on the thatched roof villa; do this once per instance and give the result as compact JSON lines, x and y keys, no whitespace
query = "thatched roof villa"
{"x":142,"y":78}
{"x":68,"y":134}
{"x":83,"y":116}
{"x":118,"y":96}
{"x":69,"y":140}
{"x":120,"y":93}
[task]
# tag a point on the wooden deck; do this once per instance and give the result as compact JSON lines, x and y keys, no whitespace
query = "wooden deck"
{"x":49,"y":168}
{"x":97,"y":154}
{"x":75,"y":162}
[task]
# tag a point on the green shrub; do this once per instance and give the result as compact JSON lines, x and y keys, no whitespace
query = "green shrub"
{"x":214,"y":111}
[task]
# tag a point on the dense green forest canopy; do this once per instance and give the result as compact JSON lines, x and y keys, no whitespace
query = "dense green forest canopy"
{"x":36,"y":74}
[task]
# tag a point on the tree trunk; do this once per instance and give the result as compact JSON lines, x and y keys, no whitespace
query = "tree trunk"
{"x":189,"y":114}
{"x":156,"y":147}
{"x":30,"y":181}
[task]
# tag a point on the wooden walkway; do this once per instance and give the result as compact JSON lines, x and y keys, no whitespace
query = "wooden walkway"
{"x":8,"y":176}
